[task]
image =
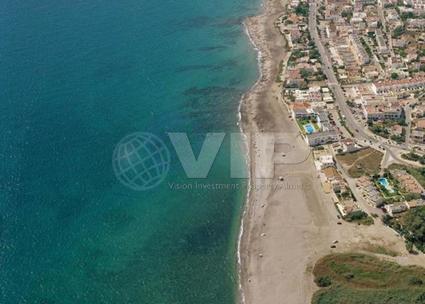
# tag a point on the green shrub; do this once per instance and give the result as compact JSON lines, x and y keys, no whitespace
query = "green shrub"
{"x":323,"y":281}
{"x":415,"y":281}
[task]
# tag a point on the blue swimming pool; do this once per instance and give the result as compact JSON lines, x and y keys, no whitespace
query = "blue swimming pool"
{"x":384,"y":182}
{"x":309,"y":128}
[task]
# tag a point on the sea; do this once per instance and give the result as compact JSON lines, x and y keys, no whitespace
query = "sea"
{"x":75,"y":78}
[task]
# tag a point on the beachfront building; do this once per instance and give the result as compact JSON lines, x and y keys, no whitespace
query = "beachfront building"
{"x":301,"y":110}
{"x":330,"y":176}
{"x":370,"y":192}
{"x":321,"y":138}
{"x":326,"y":161}
{"x":346,"y":207}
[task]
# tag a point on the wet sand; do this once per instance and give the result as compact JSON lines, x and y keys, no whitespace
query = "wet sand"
{"x":288,"y":224}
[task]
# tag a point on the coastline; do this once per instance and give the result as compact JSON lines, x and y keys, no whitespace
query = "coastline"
{"x":261,"y":257}
{"x":284,"y":231}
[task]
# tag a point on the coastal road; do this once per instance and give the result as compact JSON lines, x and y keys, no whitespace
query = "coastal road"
{"x":333,"y":83}
{"x":352,"y":124}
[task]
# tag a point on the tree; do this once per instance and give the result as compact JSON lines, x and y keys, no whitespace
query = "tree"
{"x":305,"y":73}
{"x":347,"y":14}
{"x":407,"y":15}
{"x":314,"y":54}
{"x":398,"y":31}
{"x":302,"y":9}
{"x":394,"y":75}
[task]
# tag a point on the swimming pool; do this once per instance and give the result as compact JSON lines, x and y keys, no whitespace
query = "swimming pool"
{"x":384,"y":182}
{"x":309,"y":128}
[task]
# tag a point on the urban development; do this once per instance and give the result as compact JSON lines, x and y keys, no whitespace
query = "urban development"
{"x":353,"y":82}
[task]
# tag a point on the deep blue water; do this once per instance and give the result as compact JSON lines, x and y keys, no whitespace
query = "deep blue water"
{"x":75,"y":78}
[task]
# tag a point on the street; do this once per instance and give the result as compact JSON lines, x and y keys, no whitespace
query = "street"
{"x":351,"y":123}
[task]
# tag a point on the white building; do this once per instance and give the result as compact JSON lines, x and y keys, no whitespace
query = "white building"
{"x":321,"y":138}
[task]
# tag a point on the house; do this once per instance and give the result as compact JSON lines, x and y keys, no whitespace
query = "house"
{"x":399,"y":43}
{"x":399,"y":85}
{"x":415,"y":203}
{"x":321,"y":138}
{"x":348,"y":145}
{"x":301,"y":110}
{"x":327,"y":98}
{"x":326,"y":161}
{"x":415,"y":24}
{"x":419,"y":124}
{"x":382,"y":111}
{"x":418,"y":136}
{"x":418,"y":5}
{"x":395,"y":209}
{"x":357,"y":48}
{"x":334,"y":179}
{"x":346,"y":207}
{"x":369,"y":191}
{"x":382,"y":47}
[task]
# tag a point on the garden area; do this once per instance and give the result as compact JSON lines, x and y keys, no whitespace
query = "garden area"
{"x":417,"y":173}
{"x":414,"y":157}
{"x":308,"y":125}
{"x":411,"y":225}
{"x":389,"y":187}
{"x":383,"y":129}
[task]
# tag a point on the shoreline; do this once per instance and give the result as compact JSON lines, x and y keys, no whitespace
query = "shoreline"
{"x":241,"y":295}
{"x":283,"y":232}
{"x":266,"y":270}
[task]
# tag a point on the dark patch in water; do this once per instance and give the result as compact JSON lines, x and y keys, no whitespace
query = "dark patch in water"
{"x":194,"y":67}
{"x":203,"y":239}
{"x":205,"y":106}
{"x":211,"y":48}
{"x":231,"y":63}
{"x":204,"y":21}
{"x":197,"y":22}
{"x":209,"y":91}
{"x":230,"y":22}
{"x":230,"y":36}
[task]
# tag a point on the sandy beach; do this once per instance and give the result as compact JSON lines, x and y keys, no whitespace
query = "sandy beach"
{"x":284,"y":227}
{"x":288,"y":224}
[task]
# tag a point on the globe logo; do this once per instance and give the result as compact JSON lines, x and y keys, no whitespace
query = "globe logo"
{"x":141,"y":161}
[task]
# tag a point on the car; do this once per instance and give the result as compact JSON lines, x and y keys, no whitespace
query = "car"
{"x":333,"y":246}
{"x":339,"y":223}
{"x":335,"y":242}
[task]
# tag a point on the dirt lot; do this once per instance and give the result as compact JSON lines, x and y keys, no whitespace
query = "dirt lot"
{"x":363,"y":162}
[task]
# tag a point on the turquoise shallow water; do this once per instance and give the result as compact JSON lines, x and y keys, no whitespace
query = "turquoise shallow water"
{"x":76,"y":77}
